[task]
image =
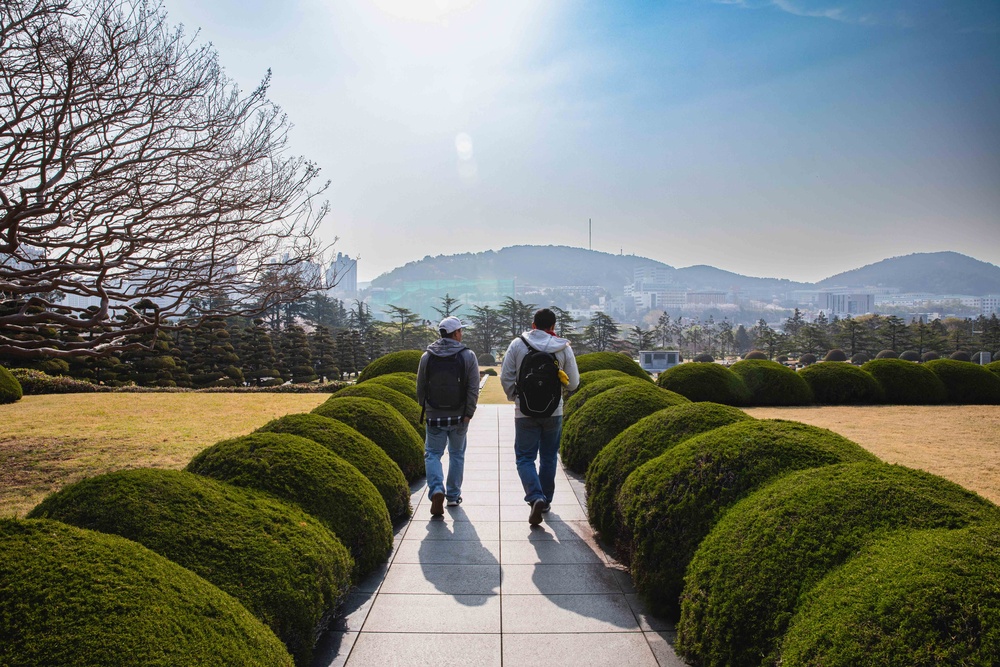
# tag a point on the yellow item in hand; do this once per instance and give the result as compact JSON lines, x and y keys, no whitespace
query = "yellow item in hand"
{"x":563,"y":377}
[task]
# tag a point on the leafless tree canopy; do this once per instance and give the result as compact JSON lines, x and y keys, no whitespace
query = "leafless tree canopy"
{"x":133,"y":171}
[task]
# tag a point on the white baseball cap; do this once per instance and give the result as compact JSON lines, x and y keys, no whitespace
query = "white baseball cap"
{"x":451,"y":324}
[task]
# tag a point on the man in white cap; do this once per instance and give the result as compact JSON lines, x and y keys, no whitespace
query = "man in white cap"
{"x":447,"y":391}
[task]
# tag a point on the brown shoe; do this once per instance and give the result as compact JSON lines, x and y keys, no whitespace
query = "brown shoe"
{"x":437,"y":504}
{"x":537,"y":508}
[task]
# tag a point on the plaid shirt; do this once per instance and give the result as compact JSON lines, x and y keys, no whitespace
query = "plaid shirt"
{"x":440,"y":422}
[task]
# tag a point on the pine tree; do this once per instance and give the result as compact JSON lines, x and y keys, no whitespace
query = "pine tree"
{"x":324,"y":354}
{"x":259,"y":359}
{"x":296,"y":355}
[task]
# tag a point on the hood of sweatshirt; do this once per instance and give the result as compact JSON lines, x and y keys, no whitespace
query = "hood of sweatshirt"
{"x":445,"y":347}
{"x":545,"y":342}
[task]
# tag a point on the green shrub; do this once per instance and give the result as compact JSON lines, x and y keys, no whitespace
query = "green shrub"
{"x":308,"y":474}
{"x":919,"y":598}
{"x":669,"y":504}
{"x":384,"y":426}
{"x":836,"y":354}
{"x":490,"y":371}
{"x":909,"y":355}
{"x":704,"y":358}
{"x":755,"y":354}
{"x":770,"y":383}
{"x":929,"y":356}
{"x":807,"y":359}
{"x":593,"y":388}
{"x":836,"y":383}
{"x":747,"y":577}
{"x":906,"y":383}
{"x":645,"y":440}
{"x":403,"y":404}
{"x":606,"y":415}
{"x":705,"y":382}
{"x":283,"y":565}
{"x":405,"y":361}
{"x":960,"y":355}
{"x":594,"y":376}
{"x":487,"y":359}
{"x":357,"y":450}
{"x":35,"y":383}
{"x":993,"y":367}
{"x":966,"y":382}
{"x":10,"y":388}
{"x":77,"y":598}
{"x":860,"y":358}
{"x":887,"y":354}
{"x":600,"y":361}
{"x":404,"y":383}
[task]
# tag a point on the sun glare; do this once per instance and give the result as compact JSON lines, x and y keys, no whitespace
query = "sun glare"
{"x":424,"y":11}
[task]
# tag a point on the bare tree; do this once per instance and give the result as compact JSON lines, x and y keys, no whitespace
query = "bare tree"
{"x":134,"y":174}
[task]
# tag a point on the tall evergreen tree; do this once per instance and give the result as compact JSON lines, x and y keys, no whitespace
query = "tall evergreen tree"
{"x":324,"y":353}
{"x":260,"y":362}
{"x":296,"y":355}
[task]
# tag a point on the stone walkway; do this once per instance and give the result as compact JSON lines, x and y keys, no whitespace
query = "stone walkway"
{"x":481,"y":587}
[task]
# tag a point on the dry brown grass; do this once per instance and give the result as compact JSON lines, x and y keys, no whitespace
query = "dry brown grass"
{"x":960,"y":443}
{"x":492,"y":392}
{"x":47,"y":442}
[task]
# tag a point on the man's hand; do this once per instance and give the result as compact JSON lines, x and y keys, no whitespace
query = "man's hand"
{"x":466,"y":420}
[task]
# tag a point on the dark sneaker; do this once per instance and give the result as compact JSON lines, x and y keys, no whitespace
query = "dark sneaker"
{"x":547,"y":507}
{"x":454,"y":502}
{"x":437,"y":504}
{"x":537,"y":508}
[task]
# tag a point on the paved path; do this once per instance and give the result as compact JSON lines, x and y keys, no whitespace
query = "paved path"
{"x":481,"y":587}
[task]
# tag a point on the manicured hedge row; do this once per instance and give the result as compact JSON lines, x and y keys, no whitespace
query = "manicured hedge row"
{"x":645,"y":440}
{"x":746,"y":579}
{"x":669,"y":504}
{"x":593,"y":376}
{"x":404,"y":383}
{"x":706,"y":382}
{"x":906,"y":383}
{"x":308,"y":474}
{"x":606,"y":415}
{"x":967,"y":383}
{"x":592,"y":389}
{"x":918,"y":598}
{"x":599,"y":361}
{"x":404,"y":361}
{"x":771,"y":383}
{"x":384,"y":426}
{"x":357,"y":450}
{"x":79,"y":598}
{"x":837,"y":383}
{"x":283,"y":565}
{"x":993,"y":367}
{"x":403,"y":404}
{"x":10,"y":388}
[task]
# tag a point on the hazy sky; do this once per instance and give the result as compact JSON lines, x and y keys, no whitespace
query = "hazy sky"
{"x":788,"y":138}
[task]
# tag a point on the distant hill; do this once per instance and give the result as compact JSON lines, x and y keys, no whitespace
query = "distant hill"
{"x":709,"y":277}
{"x":933,"y":272}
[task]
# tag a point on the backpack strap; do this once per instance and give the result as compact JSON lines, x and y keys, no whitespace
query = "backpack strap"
{"x":465,"y":371}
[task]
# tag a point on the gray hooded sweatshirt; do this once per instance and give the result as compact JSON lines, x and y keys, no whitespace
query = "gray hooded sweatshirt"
{"x":445,"y":347}
{"x":546,"y":342}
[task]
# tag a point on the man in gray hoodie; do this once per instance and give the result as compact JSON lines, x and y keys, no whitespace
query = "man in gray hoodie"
{"x":538,"y":437}
{"x":447,"y":390}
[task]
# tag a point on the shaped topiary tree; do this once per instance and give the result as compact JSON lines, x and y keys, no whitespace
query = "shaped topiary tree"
{"x":915,"y":598}
{"x":993,"y":367}
{"x":860,"y":358}
{"x":77,"y":597}
{"x":405,"y":361}
{"x":308,"y":474}
{"x":929,"y":356}
{"x":606,"y":415}
{"x":487,"y":359}
{"x":404,"y":383}
{"x":670,"y":504}
{"x":755,"y":354}
{"x":593,"y":388}
{"x":808,"y":358}
{"x":357,"y":450}
{"x":403,"y":404}
{"x":10,"y":388}
{"x":283,"y":565}
{"x":836,"y":354}
{"x":704,"y":358}
{"x":593,"y":376}
{"x":747,"y":578}
{"x":887,"y":354}
{"x":960,"y":355}
{"x":645,"y":440}
{"x":770,"y":383}
{"x":834,"y":383}
{"x":967,"y":383}
{"x":906,"y":383}
{"x":705,"y":382}
{"x":600,"y":361}
{"x":909,"y":355}
{"x":384,"y":426}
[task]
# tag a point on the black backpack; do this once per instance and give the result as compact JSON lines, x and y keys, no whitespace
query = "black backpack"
{"x":445,"y":382}
{"x":538,"y":387}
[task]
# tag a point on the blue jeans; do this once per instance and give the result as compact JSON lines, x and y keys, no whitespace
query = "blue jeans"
{"x":537,"y":437}
{"x":437,"y":437}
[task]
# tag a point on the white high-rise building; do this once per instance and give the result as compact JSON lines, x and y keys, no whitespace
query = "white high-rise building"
{"x":342,"y":277}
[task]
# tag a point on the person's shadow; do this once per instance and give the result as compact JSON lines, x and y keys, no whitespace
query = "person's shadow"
{"x":455,"y":560}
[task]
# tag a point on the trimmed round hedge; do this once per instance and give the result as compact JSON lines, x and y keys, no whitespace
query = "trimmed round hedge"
{"x":967,"y":383}
{"x":384,"y":426}
{"x":993,"y":367}
{"x":78,"y":598}
{"x":486,"y":359}
{"x":606,"y":415}
{"x":308,"y":474}
{"x":670,"y":504}
{"x":887,"y":354}
{"x":906,"y":383}
{"x":860,"y":358}
{"x":704,"y":358}
{"x":929,"y":356}
{"x":909,"y":355}
{"x":405,"y":361}
{"x":705,"y":382}
{"x":924,"y":597}
{"x":283,"y":565}
{"x":404,"y":383}
{"x":747,"y":577}
{"x":593,"y":388}
{"x":836,"y":383}
{"x":836,"y":354}
{"x":960,"y":355}
{"x":599,"y":361}
{"x":594,"y":376}
{"x":755,"y":354}
{"x":357,"y":450}
{"x":645,"y":440}
{"x":10,"y":388}
{"x":807,"y":359}
{"x":771,"y":383}
{"x":403,"y":404}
